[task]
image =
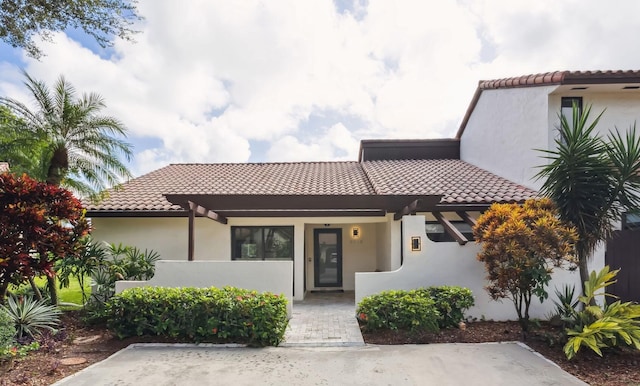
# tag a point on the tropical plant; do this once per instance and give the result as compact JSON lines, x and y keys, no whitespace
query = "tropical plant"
{"x":566,"y":302}
{"x":80,"y":147}
{"x":598,"y":327}
{"x":31,"y":316}
{"x":83,"y":265}
{"x":520,"y":245}
{"x":41,"y":223}
{"x":592,"y":180}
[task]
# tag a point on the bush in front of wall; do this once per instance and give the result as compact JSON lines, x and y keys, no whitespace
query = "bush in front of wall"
{"x":7,"y":329}
{"x":199,"y":314}
{"x":398,"y":310}
{"x":451,"y":303}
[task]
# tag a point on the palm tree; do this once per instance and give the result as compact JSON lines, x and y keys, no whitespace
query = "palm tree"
{"x":72,"y":144}
{"x":79,"y":146}
{"x":592,"y":180}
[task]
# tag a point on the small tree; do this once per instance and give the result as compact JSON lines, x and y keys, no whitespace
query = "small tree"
{"x":41,"y":223}
{"x":520,"y":245}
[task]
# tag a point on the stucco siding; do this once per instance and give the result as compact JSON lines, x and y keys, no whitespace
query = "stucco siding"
{"x":447,"y":263}
{"x":167,"y":236}
{"x":503,"y":129}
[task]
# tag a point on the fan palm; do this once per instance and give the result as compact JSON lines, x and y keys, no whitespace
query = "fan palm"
{"x":592,"y":180}
{"x":79,"y":148}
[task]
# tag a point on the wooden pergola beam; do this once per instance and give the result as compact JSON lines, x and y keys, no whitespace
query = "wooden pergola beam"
{"x":468,"y":219}
{"x":409,"y":209}
{"x":202,"y":211}
{"x":192,"y":215}
{"x":450,"y":229}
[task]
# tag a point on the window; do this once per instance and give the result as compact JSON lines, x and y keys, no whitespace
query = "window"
{"x":262,"y":243}
{"x":566,"y":108}
{"x":435,"y":231}
{"x":631,"y":221}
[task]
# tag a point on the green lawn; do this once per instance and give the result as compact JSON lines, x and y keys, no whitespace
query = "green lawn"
{"x":72,"y":294}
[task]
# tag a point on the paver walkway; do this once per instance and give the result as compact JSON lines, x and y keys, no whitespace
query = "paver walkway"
{"x":324,"y":319}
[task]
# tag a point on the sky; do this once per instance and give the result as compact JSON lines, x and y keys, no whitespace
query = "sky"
{"x":292,"y":80}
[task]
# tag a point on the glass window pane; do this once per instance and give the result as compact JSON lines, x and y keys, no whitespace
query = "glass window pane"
{"x":278,"y":243}
{"x":247,"y":243}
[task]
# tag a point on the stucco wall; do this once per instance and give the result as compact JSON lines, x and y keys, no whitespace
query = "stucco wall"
{"x":448,"y":263}
{"x":262,"y":276}
{"x":167,"y":236}
{"x":503,"y":129}
{"x":621,"y":110}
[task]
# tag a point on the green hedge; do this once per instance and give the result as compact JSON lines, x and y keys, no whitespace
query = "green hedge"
{"x":451,"y":302}
{"x":199,"y":314}
{"x":427,"y":309}
{"x":398,"y":310}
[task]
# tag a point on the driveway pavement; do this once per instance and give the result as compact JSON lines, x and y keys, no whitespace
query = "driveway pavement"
{"x":432,"y":364}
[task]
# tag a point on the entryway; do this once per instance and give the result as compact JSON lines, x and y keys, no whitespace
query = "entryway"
{"x":324,"y":319}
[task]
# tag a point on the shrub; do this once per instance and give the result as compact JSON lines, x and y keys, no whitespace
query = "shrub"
{"x":520,"y":246}
{"x":199,"y":314}
{"x":451,"y":303}
{"x":7,"y":329}
{"x":399,"y":310}
{"x":601,"y":327}
{"x":31,"y":316}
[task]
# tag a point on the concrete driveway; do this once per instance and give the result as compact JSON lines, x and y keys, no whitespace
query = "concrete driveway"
{"x":431,"y":364}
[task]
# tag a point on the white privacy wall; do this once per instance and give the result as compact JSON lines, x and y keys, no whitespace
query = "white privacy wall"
{"x":504,"y":128}
{"x":262,"y":276}
{"x":448,"y":263}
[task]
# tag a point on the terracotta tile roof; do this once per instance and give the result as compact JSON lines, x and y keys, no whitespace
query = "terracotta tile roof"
{"x":459,"y":181}
{"x":296,"y":178}
{"x":548,"y":79}
{"x":562,"y":77}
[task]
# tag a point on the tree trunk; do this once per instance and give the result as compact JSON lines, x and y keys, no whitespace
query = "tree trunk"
{"x":58,"y":166}
{"x":53,"y":290}
{"x":35,"y":288}
{"x":3,"y":291}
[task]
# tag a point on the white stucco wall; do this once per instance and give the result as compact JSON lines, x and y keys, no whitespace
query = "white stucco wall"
{"x":451,"y":264}
{"x":166,"y":235}
{"x":169,"y":237}
{"x":262,"y":276}
{"x":503,"y":129}
{"x":621,"y":110}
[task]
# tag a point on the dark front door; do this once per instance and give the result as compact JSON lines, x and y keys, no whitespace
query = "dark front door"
{"x":622,"y":253}
{"x":327,"y":265}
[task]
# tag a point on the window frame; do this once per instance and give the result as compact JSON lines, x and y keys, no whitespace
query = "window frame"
{"x":447,"y":237}
{"x":262,"y":228}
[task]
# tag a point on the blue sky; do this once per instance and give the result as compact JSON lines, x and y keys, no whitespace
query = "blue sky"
{"x":290,"y":80}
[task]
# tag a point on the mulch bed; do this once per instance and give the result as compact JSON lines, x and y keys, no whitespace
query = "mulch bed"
{"x":93,"y":344}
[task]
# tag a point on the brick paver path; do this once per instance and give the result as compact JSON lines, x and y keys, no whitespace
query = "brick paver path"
{"x":324,"y":319}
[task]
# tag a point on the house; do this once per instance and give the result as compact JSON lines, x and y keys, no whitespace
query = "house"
{"x":521,"y":114}
{"x":398,"y":217}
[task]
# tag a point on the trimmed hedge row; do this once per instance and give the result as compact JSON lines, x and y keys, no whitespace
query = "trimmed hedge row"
{"x":427,"y":309}
{"x":199,"y":314}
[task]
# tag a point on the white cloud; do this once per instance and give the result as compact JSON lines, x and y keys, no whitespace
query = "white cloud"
{"x":207,"y":77}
